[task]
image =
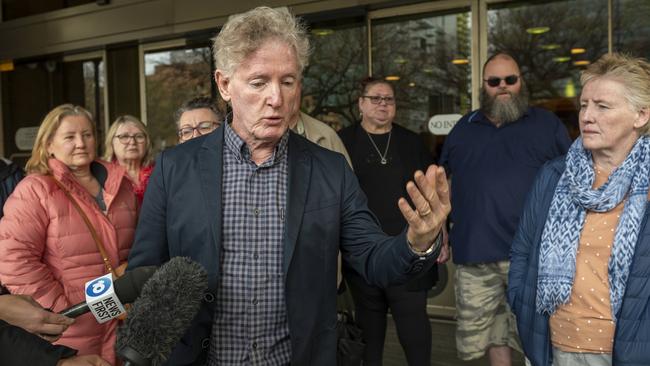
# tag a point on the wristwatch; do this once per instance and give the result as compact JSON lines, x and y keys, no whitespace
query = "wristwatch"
{"x":434,"y":245}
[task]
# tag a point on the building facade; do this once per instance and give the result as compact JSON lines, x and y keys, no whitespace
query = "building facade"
{"x":145,"y":57}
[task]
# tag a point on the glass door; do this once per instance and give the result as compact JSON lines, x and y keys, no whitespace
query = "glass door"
{"x":34,"y":87}
{"x":426,"y":52}
{"x":173,"y":74}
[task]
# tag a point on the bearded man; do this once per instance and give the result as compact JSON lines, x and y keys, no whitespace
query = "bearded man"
{"x":492,"y":156}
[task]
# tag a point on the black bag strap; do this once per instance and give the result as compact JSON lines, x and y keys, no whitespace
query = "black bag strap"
{"x":344,"y":302}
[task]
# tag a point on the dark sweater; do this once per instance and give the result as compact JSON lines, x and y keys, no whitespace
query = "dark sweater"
{"x":384,"y":184}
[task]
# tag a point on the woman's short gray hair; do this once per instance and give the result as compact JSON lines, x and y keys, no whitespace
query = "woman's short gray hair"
{"x":244,"y":33}
{"x":632,"y":72}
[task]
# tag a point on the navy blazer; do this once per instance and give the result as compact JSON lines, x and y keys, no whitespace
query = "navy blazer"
{"x":326,"y":210}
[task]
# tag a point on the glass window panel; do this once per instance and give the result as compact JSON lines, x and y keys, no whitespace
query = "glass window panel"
{"x":33,"y":88}
{"x":552,"y":41}
{"x":93,"y":80}
{"x":429,"y":58}
{"x":337,"y":64}
{"x":631,"y":20}
{"x":173,"y":77}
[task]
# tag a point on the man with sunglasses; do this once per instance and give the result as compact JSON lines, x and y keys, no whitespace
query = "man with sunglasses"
{"x":197,"y":117}
{"x":492,"y":156}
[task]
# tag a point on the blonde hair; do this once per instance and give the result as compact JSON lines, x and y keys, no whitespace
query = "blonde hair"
{"x":109,"y":152}
{"x":37,"y":163}
{"x":632,"y":72}
{"x":244,"y":33}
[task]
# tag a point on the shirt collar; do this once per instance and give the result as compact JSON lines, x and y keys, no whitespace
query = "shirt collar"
{"x":240,"y":150}
{"x":299,"y":128}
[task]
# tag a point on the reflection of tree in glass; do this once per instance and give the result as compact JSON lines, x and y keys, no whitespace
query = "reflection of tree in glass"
{"x":93,"y":83}
{"x":331,"y":81}
{"x":546,"y":59}
{"x":183,"y":75}
{"x":632,"y":27}
{"x":420,"y":52}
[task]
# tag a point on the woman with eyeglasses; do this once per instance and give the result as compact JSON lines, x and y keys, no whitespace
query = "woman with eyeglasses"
{"x":47,"y":249}
{"x":128,"y":144}
{"x":384,"y":157}
{"x":197,"y":117}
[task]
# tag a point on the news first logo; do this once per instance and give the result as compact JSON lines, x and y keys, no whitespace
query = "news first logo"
{"x":102,"y":300}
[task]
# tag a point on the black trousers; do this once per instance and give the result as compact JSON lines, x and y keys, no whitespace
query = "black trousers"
{"x":409,"y":313}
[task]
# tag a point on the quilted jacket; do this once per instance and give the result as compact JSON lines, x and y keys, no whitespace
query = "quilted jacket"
{"x":632,"y":333}
{"x":47,"y":251}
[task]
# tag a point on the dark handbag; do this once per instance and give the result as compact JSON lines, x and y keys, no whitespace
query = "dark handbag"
{"x":349,"y":337}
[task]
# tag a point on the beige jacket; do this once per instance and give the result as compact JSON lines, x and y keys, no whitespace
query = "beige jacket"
{"x":321,"y":134}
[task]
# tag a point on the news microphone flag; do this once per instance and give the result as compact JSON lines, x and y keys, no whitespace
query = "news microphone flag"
{"x":102,"y":299}
{"x":127,"y":288}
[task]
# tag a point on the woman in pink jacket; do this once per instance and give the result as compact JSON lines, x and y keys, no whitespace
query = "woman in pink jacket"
{"x":46,"y":248}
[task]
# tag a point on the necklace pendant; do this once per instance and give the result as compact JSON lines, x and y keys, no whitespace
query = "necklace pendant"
{"x":383,"y":161}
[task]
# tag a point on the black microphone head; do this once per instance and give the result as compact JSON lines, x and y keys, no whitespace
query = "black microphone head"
{"x":128,"y":287}
{"x":160,"y":316}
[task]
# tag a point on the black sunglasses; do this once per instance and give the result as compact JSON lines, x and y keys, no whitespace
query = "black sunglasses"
{"x":495,"y":81}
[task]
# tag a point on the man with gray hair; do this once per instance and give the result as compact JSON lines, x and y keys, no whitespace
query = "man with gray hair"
{"x":492,"y":156}
{"x":265,"y":211}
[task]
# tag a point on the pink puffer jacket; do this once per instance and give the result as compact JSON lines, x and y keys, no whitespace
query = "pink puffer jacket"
{"x":47,"y":251}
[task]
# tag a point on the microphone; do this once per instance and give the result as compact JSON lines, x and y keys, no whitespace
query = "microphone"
{"x":160,"y":316}
{"x":106,"y":298}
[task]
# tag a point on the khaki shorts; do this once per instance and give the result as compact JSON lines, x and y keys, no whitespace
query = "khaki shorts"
{"x":484,"y":318}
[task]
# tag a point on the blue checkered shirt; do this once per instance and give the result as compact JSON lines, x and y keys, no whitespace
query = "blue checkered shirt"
{"x":250,"y":323}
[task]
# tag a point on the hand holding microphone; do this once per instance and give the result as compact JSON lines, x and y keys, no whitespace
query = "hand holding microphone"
{"x":24,"y":312}
{"x":105,"y":297}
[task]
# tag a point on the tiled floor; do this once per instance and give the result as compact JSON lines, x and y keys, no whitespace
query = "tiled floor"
{"x":443,"y":350}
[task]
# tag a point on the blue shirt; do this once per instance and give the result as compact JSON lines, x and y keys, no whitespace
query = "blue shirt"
{"x":491,"y":171}
{"x":250,"y":324}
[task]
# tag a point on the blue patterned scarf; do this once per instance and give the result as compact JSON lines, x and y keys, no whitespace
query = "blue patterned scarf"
{"x":566,"y":217}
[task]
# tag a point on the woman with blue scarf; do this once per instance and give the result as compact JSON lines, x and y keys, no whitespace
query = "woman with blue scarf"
{"x":580,"y":261}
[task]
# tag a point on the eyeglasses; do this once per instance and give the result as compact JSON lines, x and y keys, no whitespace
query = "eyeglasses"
{"x":376,"y":99}
{"x":202,"y":128}
{"x":495,"y":81}
{"x":138,"y":138}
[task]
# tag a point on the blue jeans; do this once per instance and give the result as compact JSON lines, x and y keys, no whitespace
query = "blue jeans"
{"x":561,"y":358}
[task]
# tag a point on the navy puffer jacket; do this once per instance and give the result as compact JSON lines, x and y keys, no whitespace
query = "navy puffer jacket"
{"x":632,"y":334}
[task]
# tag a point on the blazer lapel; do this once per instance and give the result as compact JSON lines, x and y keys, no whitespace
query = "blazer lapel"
{"x":299,"y":180}
{"x":211,"y":171}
